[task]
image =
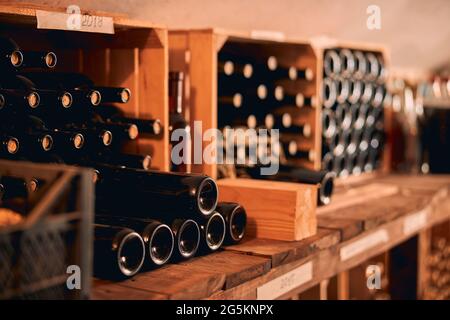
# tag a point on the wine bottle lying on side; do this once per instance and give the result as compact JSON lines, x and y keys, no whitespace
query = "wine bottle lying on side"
{"x":324,"y":179}
{"x":118,"y":252}
{"x":157,"y":237}
{"x":213,"y":232}
{"x":155,"y":194}
{"x":235,"y":220}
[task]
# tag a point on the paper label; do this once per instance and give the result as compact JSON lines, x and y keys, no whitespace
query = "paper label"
{"x":285,"y":283}
{"x":415,"y":222}
{"x":74,"y":22}
{"x":363,"y":244}
{"x":267,"y":35}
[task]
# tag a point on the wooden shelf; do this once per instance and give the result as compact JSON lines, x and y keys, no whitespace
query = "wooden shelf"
{"x":348,"y":234}
{"x":135,"y":56}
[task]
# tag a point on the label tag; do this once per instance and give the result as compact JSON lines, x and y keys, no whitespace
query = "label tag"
{"x":285,"y":283}
{"x":74,"y":22}
{"x":268,"y":35}
{"x":415,"y":222}
{"x":361,"y":245}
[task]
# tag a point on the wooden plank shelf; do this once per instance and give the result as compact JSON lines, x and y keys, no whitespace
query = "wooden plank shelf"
{"x":259,"y":268}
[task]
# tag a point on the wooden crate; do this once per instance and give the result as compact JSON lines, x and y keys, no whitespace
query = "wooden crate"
{"x":136,"y":56}
{"x":286,"y":211}
{"x":320,"y":45}
{"x":54,"y":233}
{"x":195,"y":52}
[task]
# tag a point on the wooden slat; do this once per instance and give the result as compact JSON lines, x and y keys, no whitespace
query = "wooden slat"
{"x":237,"y":268}
{"x":106,"y":290}
{"x":348,"y":228}
{"x":282,"y":252}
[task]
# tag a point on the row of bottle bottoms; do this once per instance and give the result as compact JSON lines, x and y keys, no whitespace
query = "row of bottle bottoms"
{"x":123,"y":245}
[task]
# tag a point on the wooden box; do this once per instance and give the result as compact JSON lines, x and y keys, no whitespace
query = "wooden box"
{"x":135,"y":56}
{"x":195,"y":52}
{"x":275,"y":210}
{"x":320,"y":46}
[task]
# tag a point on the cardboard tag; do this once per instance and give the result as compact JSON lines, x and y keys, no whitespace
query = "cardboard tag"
{"x":74,"y":22}
{"x":285,"y":283}
{"x":363,"y":244}
{"x":415,"y":222}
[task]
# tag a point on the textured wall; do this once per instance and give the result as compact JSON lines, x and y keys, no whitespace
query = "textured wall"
{"x":416,"y":31}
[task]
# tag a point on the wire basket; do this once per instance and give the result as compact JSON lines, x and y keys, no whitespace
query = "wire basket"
{"x":56,"y":233}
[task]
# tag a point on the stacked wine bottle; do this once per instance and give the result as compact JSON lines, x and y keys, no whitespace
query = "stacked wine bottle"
{"x":257,"y":94}
{"x":253,"y":94}
{"x":144,"y":218}
{"x":354,"y":95}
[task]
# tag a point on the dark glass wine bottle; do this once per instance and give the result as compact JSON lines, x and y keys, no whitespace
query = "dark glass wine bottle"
{"x":118,"y":252}
{"x":235,"y":219}
{"x":155,"y":194}
{"x":157,"y":236}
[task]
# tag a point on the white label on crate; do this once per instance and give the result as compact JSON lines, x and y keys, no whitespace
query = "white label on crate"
{"x":74,"y":21}
{"x":363,"y":244}
{"x":268,"y":35}
{"x":415,"y":222}
{"x":285,"y":283}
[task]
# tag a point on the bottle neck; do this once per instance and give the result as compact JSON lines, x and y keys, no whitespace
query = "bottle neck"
{"x":176,"y":92}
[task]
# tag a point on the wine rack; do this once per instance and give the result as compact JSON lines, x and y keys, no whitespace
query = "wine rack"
{"x":199,"y":54}
{"x":134,"y":57}
{"x":378,"y":99}
{"x":202,"y":55}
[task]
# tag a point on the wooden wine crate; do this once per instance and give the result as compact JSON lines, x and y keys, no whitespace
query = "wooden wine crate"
{"x":135,"y":56}
{"x":195,"y":52}
{"x":320,"y":45}
{"x":275,"y":210}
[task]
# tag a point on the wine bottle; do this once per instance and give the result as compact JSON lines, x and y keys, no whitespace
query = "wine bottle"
{"x":114,"y":94}
{"x":155,"y":194}
{"x":327,"y":161}
{"x":343,"y":116}
{"x":187,"y":237}
{"x":158,"y":238}
{"x":80,"y":87}
{"x":323,"y":178}
{"x":47,"y":97}
{"x":360,"y":65}
{"x":13,"y":187}
{"x":9,"y":145}
{"x":231,"y":68}
{"x":367,"y":92}
{"x":118,"y":252}
{"x":235,"y":218}
{"x":213,"y":232}
{"x":294,"y":129}
{"x":373,"y":66}
{"x":356,"y":88}
{"x":343,"y":89}
{"x":15,"y":58}
{"x":177,"y":120}
{"x":329,"y":93}
{"x":291,"y":151}
{"x":234,"y":101}
{"x":109,"y":94}
{"x":331,"y":63}
{"x":329,"y":126}
{"x":348,"y":64}
{"x":125,"y":159}
{"x":18,"y":100}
